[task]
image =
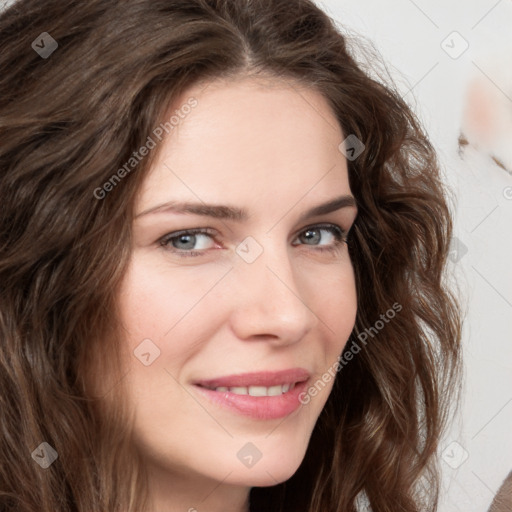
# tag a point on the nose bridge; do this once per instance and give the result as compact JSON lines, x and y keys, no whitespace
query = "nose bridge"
{"x":269,"y":300}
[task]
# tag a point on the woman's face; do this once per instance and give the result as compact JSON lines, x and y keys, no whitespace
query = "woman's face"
{"x":261,"y":300}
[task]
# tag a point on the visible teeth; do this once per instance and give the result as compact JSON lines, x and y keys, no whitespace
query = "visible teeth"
{"x":238,"y":391}
{"x":276,"y":390}
{"x":258,"y":390}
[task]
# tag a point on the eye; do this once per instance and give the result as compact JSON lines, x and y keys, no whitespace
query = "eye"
{"x":326,"y":236}
{"x":188,"y":242}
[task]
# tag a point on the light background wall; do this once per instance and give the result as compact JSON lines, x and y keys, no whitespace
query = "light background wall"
{"x":409,"y":35}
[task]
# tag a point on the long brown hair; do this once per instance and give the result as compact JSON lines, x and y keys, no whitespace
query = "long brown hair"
{"x":70,"y":119}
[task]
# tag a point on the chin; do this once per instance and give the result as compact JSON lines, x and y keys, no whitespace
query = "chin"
{"x":262,"y":478}
{"x":274,"y":470}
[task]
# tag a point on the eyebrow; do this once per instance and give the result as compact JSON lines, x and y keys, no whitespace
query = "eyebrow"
{"x":239,"y":215}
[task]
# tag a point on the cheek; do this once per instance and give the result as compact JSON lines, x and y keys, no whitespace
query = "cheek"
{"x":154,"y":299}
{"x":337,"y":306}
{"x":337,"y":302}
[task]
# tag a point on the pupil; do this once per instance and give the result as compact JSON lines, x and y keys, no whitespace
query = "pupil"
{"x":312,"y":235}
{"x":187,"y":240}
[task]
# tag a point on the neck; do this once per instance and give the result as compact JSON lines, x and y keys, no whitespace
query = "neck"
{"x":178,"y":493}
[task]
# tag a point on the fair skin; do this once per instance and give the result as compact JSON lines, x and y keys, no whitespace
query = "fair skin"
{"x":272,"y":151}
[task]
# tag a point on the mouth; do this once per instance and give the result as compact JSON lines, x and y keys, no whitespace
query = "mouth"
{"x":260,"y":395}
{"x":255,"y":390}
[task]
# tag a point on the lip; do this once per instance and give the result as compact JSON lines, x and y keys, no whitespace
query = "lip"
{"x":257,"y":379}
{"x":257,"y":407}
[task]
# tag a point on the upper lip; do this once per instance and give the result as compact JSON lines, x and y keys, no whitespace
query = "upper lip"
{"x":266,"y":378}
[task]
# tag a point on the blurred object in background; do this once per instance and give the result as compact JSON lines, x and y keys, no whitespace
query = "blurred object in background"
{"x":487,"y":118}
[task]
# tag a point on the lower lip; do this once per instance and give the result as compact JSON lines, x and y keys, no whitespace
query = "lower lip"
{"x":258,"y":407}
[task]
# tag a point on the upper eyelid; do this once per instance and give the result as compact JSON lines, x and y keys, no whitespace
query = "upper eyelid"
{"x":323,"y":225}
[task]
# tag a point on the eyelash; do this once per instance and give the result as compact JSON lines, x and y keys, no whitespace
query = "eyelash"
{"x":339,"y":234}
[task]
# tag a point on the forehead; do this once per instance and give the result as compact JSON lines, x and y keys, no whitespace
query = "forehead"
{"x":246,"y":138}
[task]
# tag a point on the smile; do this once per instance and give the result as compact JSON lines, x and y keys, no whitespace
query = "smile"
{"x":261,"y":395}
{"x":257,"y":390}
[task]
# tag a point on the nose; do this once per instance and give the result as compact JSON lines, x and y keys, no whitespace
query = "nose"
{"x":270,"y":302}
